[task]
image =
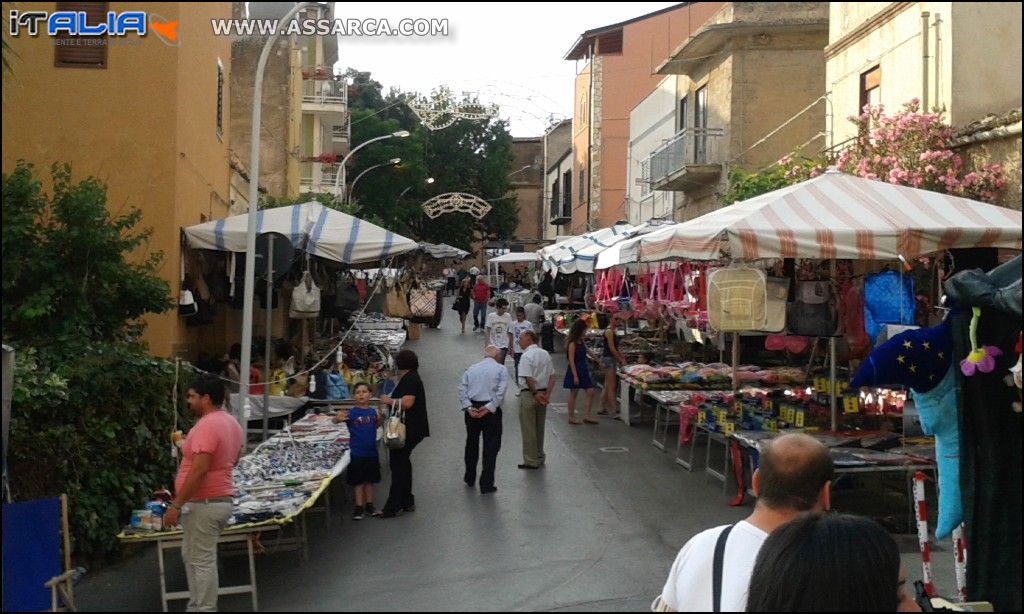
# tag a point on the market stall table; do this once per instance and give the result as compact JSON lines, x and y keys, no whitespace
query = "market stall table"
{"x":274,"y":484}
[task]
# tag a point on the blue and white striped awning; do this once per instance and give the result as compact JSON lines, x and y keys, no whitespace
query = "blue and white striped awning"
{"x":580,"y":254}
{"x":561,"y":257}
{"x":311,"y":227}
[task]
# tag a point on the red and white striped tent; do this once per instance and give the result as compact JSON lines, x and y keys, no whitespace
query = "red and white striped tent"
{"x":831,"y":216}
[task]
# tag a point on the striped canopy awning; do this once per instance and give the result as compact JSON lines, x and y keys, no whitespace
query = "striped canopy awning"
{"x":562,"y":256}
{"x":317,"y":229}
{"x":832,"y":216}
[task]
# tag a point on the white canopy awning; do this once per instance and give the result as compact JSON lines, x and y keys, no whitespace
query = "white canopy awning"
{"x":443,"y":250}
{"x":584,"y":260}
{"x":562,"y":257}
{"x":831,"y":216}
{"x":319,"y":230}
{"x":514,"y":258}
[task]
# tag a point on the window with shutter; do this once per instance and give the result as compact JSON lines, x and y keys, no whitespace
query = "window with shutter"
{"x":82,"y":51}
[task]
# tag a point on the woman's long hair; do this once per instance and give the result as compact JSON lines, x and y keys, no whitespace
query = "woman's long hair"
{"x":576,"y":333}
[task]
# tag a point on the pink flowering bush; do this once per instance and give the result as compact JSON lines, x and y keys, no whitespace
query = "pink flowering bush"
{"x":913,"y":149}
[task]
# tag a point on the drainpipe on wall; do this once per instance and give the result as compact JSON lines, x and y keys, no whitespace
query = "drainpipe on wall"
{"x":590,"y":133}
{"x":924,"y":61}
{"x":938,"y":59}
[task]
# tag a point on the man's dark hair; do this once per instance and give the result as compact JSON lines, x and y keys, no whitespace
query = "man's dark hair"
{"x":538,"y":299}
{"x":520,"y":310}
{"x":501,"y":303}
{"x":792,"y":474}
{"x":406,"y":360}
{"x":826,"y":563}
{"x":209,"y":384}
{"x":363,"y":384}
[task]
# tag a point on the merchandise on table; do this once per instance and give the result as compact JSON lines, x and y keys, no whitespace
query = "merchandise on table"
{"x":377,"y":321}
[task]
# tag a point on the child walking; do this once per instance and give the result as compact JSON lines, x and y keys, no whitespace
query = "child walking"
{"x":364,"y":468}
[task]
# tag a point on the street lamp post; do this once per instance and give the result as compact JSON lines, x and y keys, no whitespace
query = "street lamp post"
{"x":352,"y":190}
{"x":429,"y":181}
{"x":401,"y":134}
{"x":250,"y":236}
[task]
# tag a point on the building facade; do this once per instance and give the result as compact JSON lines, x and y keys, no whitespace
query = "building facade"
{"x":750,"y":89}
{"x":527,"y":179}
{"x":558,"y":180}
{"x":652,"y":123}
{"x":963,"y":58}
{"x":617,"y":66}
{"x":162,"y":146}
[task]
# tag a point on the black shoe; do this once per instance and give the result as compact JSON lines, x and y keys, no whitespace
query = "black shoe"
{"x":410,"y":509}
{"x":357,"y":513}
{"x":469,"y":482}
{"x":525,"y":466}
{"x":487,"y":491}
{"x":387,"y":514}
{"x":370,"y":510}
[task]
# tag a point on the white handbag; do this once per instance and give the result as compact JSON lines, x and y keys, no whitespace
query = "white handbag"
{"x":305,"y":299}
{"x":394,"y":428}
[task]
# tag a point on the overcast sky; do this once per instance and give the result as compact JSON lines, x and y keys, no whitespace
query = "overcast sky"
{"x":510,"y":53}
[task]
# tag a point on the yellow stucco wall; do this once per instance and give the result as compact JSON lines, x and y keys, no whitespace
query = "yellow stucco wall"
{"x":145,"y":125}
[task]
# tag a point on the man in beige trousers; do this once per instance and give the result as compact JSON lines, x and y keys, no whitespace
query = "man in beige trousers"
{"x":536,"y":382}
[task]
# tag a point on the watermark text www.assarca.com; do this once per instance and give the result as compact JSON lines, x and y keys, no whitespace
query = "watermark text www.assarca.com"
{"x":328,"y":27}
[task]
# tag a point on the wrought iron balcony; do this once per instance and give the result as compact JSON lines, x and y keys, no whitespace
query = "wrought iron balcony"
{"x":683,"y":162}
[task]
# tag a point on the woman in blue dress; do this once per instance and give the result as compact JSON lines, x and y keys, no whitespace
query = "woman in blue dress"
{"x":578,"y":376}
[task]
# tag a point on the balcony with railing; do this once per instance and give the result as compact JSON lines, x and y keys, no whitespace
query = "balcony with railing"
{"x":325,"y":95}
{"x":686,"y":161}
{"x":319,"y":178}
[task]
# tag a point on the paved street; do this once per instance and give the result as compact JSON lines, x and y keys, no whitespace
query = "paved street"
{"x":594,"y":530}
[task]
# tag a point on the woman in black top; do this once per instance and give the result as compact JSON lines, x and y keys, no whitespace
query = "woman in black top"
{"x":410,"y":391}
{"x":464,"y":298}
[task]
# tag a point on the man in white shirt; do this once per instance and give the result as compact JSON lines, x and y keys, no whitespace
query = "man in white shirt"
{"x":499,"y":329}
{"x":536,"y":381}
{"x":481,"y":393}
{"x":519,"y":326}
{"x":712,"y":571}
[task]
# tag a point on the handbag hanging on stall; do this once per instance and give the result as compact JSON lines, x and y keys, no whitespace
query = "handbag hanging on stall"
{"x":812,"y":314}
{"x":305,"y":299}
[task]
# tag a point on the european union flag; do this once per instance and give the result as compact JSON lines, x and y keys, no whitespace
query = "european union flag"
{"x":917,"y":359}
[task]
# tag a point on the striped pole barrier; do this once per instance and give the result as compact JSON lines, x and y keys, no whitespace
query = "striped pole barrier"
{"x":922,"y":534}
{"x":960,"y":552}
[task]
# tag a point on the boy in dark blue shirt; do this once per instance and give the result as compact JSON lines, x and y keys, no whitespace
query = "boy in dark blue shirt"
{"x":364,"y":466}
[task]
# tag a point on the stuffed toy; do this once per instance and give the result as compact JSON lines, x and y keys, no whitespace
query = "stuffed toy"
{"x":922,"y":360}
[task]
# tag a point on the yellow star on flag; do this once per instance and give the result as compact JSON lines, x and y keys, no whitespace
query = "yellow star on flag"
{"x":907,"y":344}
{"x":913,"y":368}
{"x":927,"y":345}
{"x":901,"y":359}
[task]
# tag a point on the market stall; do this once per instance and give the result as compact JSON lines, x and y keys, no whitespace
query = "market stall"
{"x":274,"y":484}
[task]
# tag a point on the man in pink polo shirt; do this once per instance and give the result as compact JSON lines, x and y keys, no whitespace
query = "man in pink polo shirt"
{"x":203,"y":488}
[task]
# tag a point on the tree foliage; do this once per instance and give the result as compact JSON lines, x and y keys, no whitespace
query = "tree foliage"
{"x":908,"y":148}
{"x":90,"y":407}
{"x":472,"y":156}
{"x":69,"y":266}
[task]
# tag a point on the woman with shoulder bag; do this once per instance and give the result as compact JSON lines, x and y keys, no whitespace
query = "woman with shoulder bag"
{"x":409,"y":394}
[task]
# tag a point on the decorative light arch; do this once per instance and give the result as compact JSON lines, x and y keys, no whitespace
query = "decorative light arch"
{"x":456,"y":202}
{"x":441,"y":109}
